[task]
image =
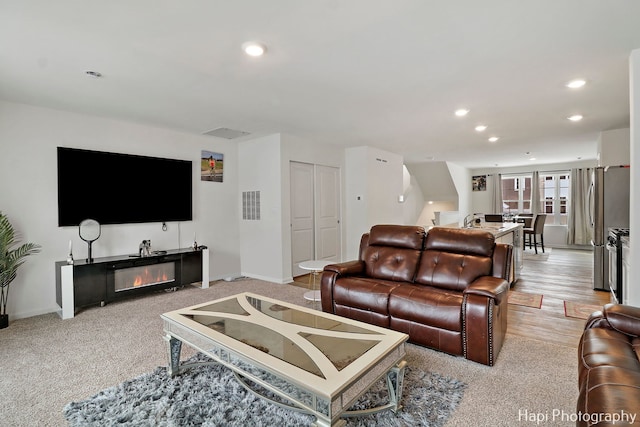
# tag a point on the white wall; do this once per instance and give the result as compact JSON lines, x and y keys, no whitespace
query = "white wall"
{"x":634,"y":83}
{"x":414,"y":202}
{"x":613,"y":147}
{"x":28,"y":195}
{"x":261,"y":242}
{"x":435,"y":181}
{"x":461,"y":177}
{"x":374,"y":176}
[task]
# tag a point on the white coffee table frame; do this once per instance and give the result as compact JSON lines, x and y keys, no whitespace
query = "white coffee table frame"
{"x":315,"y":267}
{"x":328,"y":396}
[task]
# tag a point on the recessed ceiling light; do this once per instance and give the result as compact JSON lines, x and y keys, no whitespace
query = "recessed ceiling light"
{"x":462,"y":112}
{"x":576,"y":84}
{"x":575,"y":118}
{"x":95,"y":74}
{"x":532,"y":158}
{"x":254,"y":48}
{"x":481,"y":128}
{"x":493,"y":139}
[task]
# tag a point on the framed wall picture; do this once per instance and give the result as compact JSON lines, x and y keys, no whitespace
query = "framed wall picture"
{"x":479,"y":182}
{"x":211,"y":166}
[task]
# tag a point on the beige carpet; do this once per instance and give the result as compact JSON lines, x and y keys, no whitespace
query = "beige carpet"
{"x":579,"y":310}
{"x":47,"y":362}
{"x":526,"y":299}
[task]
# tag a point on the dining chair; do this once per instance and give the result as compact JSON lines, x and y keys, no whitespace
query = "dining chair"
{"x":537,"y":229}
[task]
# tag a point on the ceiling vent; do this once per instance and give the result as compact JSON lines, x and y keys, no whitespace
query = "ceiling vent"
{"x":226,"y":133}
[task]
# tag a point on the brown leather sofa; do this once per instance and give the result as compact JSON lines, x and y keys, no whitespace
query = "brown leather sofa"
{"x":608,"y":367}
{"x":446,"y":289}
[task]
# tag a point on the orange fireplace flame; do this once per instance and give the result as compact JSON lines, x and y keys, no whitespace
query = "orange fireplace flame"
{"x":147,"y":277}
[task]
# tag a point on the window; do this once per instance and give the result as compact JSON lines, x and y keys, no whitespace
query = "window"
{"x":516,"y":194}
{"x":554,"y":197}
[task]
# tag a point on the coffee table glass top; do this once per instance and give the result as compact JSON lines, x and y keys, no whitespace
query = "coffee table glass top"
{"x":295,"y":335}
{"x":274,"y":343}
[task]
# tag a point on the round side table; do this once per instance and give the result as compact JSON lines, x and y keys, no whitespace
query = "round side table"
{"x":315,"y":267}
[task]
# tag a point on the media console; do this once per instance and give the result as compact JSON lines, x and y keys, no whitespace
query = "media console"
{"x":108,"y":279}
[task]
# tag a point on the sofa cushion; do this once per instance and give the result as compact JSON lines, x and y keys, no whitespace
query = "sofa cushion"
{"x":427,"y":305}
{"x":393,"y":252}
{"x":451,"y":271}
{"x":363,"y":299}
{"x":389,"y":263}
{"x":454,"y":258}
{"x":363,"y":293}
{"x":460,"y":241}
{"x":397,"y":236}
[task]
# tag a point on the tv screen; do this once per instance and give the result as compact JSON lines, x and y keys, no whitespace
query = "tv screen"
{"x":115,"y":188}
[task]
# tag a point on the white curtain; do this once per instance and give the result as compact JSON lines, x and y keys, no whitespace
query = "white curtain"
{"x":495,"y":185}
{"x":535,"y":193}
{"x":579,"y":226}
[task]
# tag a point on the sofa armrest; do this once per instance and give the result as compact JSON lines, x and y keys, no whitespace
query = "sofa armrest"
{"x":502,"y":256}
{"x":330,"y":274}
{"x":349,"y":268}
{"x":623,"y":318}
{"x":490,"y":287}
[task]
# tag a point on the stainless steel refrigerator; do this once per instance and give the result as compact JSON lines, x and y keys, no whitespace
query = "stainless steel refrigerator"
{"x":609,"y":206}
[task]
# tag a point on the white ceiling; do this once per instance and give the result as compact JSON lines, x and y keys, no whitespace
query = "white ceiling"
{"x":386,"y":74}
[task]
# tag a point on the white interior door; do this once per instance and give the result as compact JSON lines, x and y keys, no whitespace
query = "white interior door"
{"x":315,"y":214}
{"x":302,"y":215}
{"x":327,"y":213}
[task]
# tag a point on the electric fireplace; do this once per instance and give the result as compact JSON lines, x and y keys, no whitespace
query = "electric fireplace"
{"x":144,"y":276}
{"x":137,"y":276}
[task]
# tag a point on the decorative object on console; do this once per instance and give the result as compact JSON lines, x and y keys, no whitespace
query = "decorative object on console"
{"x":10,"y":260}
{"x":145,"y":248}
{"x":89,"y":231}
{"x":70,"y":256}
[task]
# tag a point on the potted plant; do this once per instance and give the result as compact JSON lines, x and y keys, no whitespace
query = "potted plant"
{"x":10,"y":259}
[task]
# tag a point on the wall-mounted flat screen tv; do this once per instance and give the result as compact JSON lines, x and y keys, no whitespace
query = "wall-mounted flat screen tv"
{"x":115,"y":188}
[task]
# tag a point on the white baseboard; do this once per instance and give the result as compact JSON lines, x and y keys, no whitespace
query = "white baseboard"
{"x":269,"y":279}
{"x":25,"y":314}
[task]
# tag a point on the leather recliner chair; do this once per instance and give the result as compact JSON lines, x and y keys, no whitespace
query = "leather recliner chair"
{"x":446,"y":289}
{"x":609,"y":367}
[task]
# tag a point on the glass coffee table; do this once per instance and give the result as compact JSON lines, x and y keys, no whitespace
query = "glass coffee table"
{"x":314,"y":362}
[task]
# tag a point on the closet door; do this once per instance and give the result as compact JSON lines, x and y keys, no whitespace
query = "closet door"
{"x":327,"y":213}
{"x":302,"y":215}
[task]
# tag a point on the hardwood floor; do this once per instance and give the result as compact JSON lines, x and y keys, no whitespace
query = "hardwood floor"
{"x":560,"y":275}
{"x":565,"y":275}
